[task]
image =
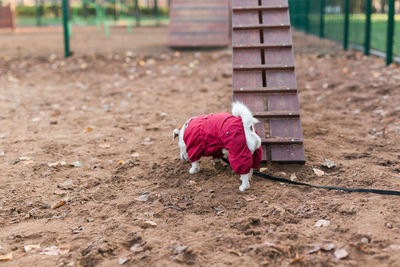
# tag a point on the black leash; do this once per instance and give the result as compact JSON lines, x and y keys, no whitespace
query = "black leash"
{"x":283,"y":180}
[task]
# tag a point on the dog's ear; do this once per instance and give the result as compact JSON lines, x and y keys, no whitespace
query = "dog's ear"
{"x":175,"y":133}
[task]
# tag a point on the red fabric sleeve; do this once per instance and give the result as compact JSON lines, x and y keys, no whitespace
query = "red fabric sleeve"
{"x":257,"y":156}
{"x":218,"y":155}
{"x":241,"y":159}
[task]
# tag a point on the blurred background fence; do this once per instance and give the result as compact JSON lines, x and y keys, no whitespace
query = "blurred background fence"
{"x":89,"y":12}
{"x":372,"y":26}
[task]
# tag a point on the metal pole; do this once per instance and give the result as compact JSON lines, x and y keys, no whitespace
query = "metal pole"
{"x":137,"y":13}
{"x":367,"y":42}
{"x":390,"y":32}
{"x":37,"y":12}
{"x":65,"y":25}
{"x":105,"y":22}
{"x":322,"y":19}
{"x":346,"y":25}
{"x":98,"y":16}
{"x":156,"y":10}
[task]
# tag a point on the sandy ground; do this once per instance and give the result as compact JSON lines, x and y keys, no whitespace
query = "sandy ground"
{"x":90,"y":174}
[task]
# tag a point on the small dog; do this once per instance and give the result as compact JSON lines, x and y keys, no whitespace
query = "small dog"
{"x":219,"y":135}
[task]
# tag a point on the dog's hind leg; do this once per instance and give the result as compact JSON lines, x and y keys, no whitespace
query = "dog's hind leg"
{"x":245,"y":178}
{"x":195,"y":167}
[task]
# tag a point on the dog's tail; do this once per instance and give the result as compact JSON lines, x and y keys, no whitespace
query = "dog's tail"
{"x":240,"y":110}
{"x":175,"y":134}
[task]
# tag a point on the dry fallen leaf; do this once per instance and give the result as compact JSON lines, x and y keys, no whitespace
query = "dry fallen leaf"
{"x":104,"y":146}
{"x":191,"y":182}
{"x":322,"y":223}
{"x":51,"y":251}
{"x":314,"y":250}
{"x":341,"y":253}
{"x":88,"y":129}
{"x":328,"y":247}
{"x":237,"y":253}
{"x":76,"y":164}
{"x":136,"y":248}
{"x":57,"y":163}
{"x":122,"y":261}
{"x":329,"y":163}
{"x":6,"y":257}
{"x":297,"y":259}
{"x":318,"y":172}
{"x":147,"y":224}
{"x":59,"y":204}
{"x":30,"y":247}
{"x":250,"y":198}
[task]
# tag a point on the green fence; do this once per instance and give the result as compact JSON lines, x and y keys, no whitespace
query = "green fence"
{"x":368,"y":25}
{"x":91,"y":12}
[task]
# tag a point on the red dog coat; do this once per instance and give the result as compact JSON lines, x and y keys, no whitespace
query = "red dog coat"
{"x":207,"y":135}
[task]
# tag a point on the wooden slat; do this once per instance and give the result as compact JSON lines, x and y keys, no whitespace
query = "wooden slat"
{"x":198,"y":8}
{"x":262,"y":67}
{"x":281,"y":141}
{"x":264,"y":90}
{"x":199,"y":23}
{"x":258,"y":8}
{"x":251,"y":3}
{"x":260,"y":46}
{"x":276,"y":114}
{"x":260,"y":26}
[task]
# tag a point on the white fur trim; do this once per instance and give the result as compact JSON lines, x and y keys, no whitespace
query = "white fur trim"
{"x":252,"y":139}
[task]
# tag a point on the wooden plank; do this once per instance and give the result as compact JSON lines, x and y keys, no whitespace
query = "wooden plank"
{"x":199,"y":23}
{"x":264,"y":76}
{"x":6,"y":17}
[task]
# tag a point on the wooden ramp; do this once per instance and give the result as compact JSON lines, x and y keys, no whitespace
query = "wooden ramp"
{"x":199,"y":23}
{"x":6,"y":17}
{"x":264,"y":76}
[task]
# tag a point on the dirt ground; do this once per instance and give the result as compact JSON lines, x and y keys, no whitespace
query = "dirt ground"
{"x":89,"y":171}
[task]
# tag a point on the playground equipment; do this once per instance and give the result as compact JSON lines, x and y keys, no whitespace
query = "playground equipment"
{"x":7,"y":18}
{"x":199,"y":23}
{"x":264,"y":75}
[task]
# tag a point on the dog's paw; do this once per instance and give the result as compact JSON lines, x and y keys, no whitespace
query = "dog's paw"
{"x":194,"y":170}
{"x":244,"y":187}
